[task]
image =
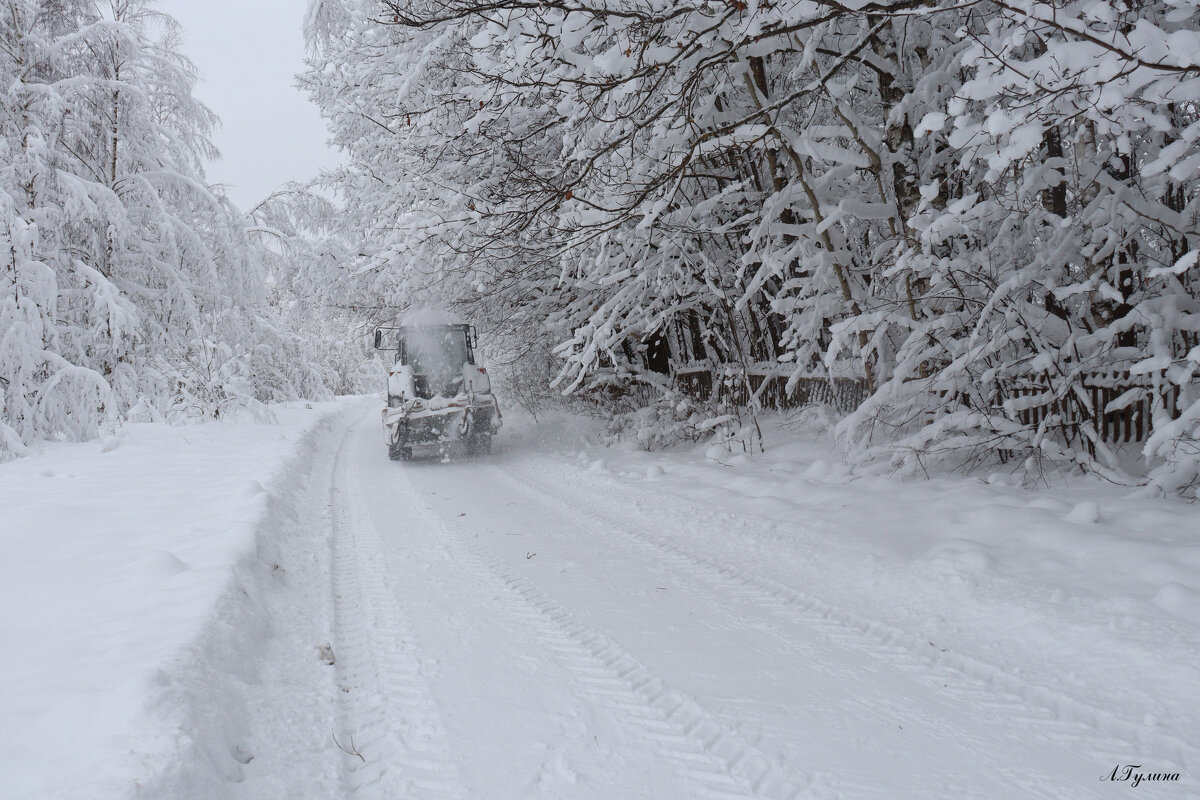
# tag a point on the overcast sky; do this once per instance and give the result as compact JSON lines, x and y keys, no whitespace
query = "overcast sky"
{"x":249,"y":52}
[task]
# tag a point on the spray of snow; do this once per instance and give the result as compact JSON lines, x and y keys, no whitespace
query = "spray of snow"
{"x":428,"y":317}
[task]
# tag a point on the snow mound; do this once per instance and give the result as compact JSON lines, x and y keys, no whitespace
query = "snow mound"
{"x":1179,"y":600}
{"x":164,"y":564}
{"x":1086,"y":513}
{"x":960,"y":556}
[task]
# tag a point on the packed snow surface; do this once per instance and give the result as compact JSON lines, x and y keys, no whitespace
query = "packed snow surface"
{"x":564,"y":620}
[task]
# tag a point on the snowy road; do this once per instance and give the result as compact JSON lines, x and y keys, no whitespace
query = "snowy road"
{"x":512,"y":628}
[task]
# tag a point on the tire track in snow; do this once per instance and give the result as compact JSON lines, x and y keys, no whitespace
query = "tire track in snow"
{"x":387,"y":712}
{"x":1062,"y":719}
{"x":713,"y":759}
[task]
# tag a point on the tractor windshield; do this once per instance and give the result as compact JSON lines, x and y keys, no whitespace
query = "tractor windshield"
{"x":436,"y":351}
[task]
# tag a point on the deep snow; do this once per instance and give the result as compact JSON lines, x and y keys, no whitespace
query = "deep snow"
{"x":124,"y":562}
{"x":199,"y":612}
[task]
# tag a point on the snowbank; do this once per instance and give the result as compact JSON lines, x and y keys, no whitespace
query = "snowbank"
{"x":133,"y":567}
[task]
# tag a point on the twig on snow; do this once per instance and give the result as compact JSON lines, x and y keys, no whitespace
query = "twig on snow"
{"x":353,"y":751}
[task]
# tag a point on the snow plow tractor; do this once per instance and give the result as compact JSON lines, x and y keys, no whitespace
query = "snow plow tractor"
{"x":436,"y":392}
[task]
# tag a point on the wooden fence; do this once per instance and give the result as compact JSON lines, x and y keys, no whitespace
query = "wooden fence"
{"x":1131,"y":421}
{"x":770,"y":386}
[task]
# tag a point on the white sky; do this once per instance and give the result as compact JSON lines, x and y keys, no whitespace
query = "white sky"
{"x":248,"y":53}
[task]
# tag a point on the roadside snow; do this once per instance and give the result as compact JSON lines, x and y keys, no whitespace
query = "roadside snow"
{"x":1080,"y":538}
{"x":122,"y":561}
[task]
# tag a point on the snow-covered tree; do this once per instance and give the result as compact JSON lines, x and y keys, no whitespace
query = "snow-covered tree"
{"x":127,"y":283}
{"x":980,"y":212}
{"x":1054,"y":251}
